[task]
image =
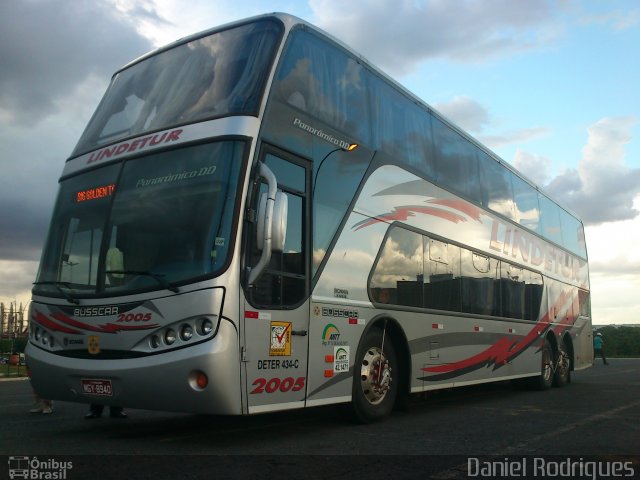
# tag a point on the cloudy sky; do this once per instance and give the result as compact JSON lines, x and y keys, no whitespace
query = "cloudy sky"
{"x":552,"y":87}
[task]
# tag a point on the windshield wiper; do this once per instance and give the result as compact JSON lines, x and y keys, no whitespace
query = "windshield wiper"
{"x":156,"y":276}
{"x":56,"y":284}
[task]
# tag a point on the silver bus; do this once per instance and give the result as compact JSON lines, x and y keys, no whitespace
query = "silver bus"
{"x":257,"y":219}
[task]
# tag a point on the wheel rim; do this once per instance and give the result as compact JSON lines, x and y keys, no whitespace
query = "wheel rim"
{"x":375,"y":376}
{"x":563,"y":363}
{"x":547,"y":367}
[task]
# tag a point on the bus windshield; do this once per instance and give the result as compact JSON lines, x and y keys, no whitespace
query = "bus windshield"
{"x":143,"y":224}
{"x":213,"y":76}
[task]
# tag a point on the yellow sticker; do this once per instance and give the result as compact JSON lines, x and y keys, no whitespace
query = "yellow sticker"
{"x":280,"y":344}
{"x":93,"y":344}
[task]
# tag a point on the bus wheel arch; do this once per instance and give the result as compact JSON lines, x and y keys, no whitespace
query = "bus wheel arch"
{"x":380,"y":374}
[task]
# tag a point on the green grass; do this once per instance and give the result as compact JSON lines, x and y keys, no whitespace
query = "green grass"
{"x":13,"y":371}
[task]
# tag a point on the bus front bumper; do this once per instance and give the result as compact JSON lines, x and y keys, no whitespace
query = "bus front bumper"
{"x":166,"y":381}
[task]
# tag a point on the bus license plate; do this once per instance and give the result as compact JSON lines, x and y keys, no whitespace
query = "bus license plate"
{"x":100,"y":388}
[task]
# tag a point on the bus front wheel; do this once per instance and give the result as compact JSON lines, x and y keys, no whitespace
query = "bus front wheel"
{"x":375,"y":377}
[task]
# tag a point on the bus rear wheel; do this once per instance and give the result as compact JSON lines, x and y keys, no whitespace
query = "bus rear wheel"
{"x":562,"y":374}
{"x":545,"y":380}
{"x":375,"y":378}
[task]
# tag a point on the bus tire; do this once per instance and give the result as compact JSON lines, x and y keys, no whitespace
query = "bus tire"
{"x":562,"y":374}
{"x":375,"y":378}
{"x":545,"y":380}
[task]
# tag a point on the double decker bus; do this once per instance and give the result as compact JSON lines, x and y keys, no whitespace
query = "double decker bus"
{"x":257,"y":219}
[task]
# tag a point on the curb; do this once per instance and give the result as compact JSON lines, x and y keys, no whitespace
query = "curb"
{"x":13,"y":379}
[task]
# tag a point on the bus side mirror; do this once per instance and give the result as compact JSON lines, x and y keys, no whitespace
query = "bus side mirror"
{"x":278,"y":222}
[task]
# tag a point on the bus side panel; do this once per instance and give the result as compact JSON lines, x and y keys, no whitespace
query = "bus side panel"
{"x":446,"y":349}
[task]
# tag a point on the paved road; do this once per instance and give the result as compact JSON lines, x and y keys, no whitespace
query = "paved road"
{"x":598,"y":414}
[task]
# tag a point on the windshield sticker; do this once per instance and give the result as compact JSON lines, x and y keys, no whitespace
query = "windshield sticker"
{"x":341,"y":359}
{"x":280,"y":344}
{"x":175,"y":177}
{"x":219,"y":242}
{"x":331,"y":336}
{"x":341,"y":293}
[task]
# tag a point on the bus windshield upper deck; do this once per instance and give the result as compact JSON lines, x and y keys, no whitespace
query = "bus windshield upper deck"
{"x":216,"y":75}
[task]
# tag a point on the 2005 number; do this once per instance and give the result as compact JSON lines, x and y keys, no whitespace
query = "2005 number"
{"x":138,"y":317}
{"x":277,"y":385}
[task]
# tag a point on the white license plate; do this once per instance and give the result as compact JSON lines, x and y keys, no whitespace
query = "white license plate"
{"x":98,"y":387}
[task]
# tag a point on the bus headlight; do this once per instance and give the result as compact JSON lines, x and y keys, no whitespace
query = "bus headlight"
{"x":186,"y":332}
{"x":182,"y":333}
{"x":169,"y":336}
{"x":205,"y":326}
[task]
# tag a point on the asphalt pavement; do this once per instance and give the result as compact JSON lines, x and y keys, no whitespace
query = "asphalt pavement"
{"x":445,"y":434}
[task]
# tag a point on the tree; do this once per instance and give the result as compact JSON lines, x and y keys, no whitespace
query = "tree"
{"x":621,"y":341}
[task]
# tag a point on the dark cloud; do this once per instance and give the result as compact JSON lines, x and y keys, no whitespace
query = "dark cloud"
{"x":57,"y":57}
{"x":48,"y":47}
{"x":23,"y":227}
{"x":464,"y":31}
{"x":602,"y":188}
{"x":606,"y":197}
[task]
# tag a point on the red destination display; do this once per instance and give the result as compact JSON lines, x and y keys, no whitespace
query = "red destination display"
{"x":95,"y":193}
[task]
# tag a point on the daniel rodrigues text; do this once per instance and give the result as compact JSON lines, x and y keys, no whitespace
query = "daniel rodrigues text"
{"x":531,"y":467}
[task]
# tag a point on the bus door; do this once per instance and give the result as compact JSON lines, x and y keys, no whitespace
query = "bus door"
{"x":276,"y":307}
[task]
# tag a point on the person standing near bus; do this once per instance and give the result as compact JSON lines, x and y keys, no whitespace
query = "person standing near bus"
{"x":598,"y":348}
{"x":42,"y":405}
{"x":95,"y":411}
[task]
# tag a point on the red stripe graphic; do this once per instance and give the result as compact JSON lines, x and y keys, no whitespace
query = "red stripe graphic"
{"x":113,"y":328}
{"x":45,"y":321}
{"x":403,"y":213}
{"x":460,"y":205}
{"x":505,"y":348}
{"x":61,"y":317}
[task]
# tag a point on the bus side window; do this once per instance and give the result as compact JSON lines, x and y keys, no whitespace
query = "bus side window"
{"x":398,"y":274}
{"x":479,"y":286}
{"x":442,"y":276}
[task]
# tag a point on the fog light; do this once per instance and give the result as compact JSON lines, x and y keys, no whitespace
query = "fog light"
{"x":37,"y":334}
{"x":198,"y":380}
{"x":186,"y":332}
{"x":201,"y":380}
{"x":169,"y":336}
{"x":155,"y":341}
